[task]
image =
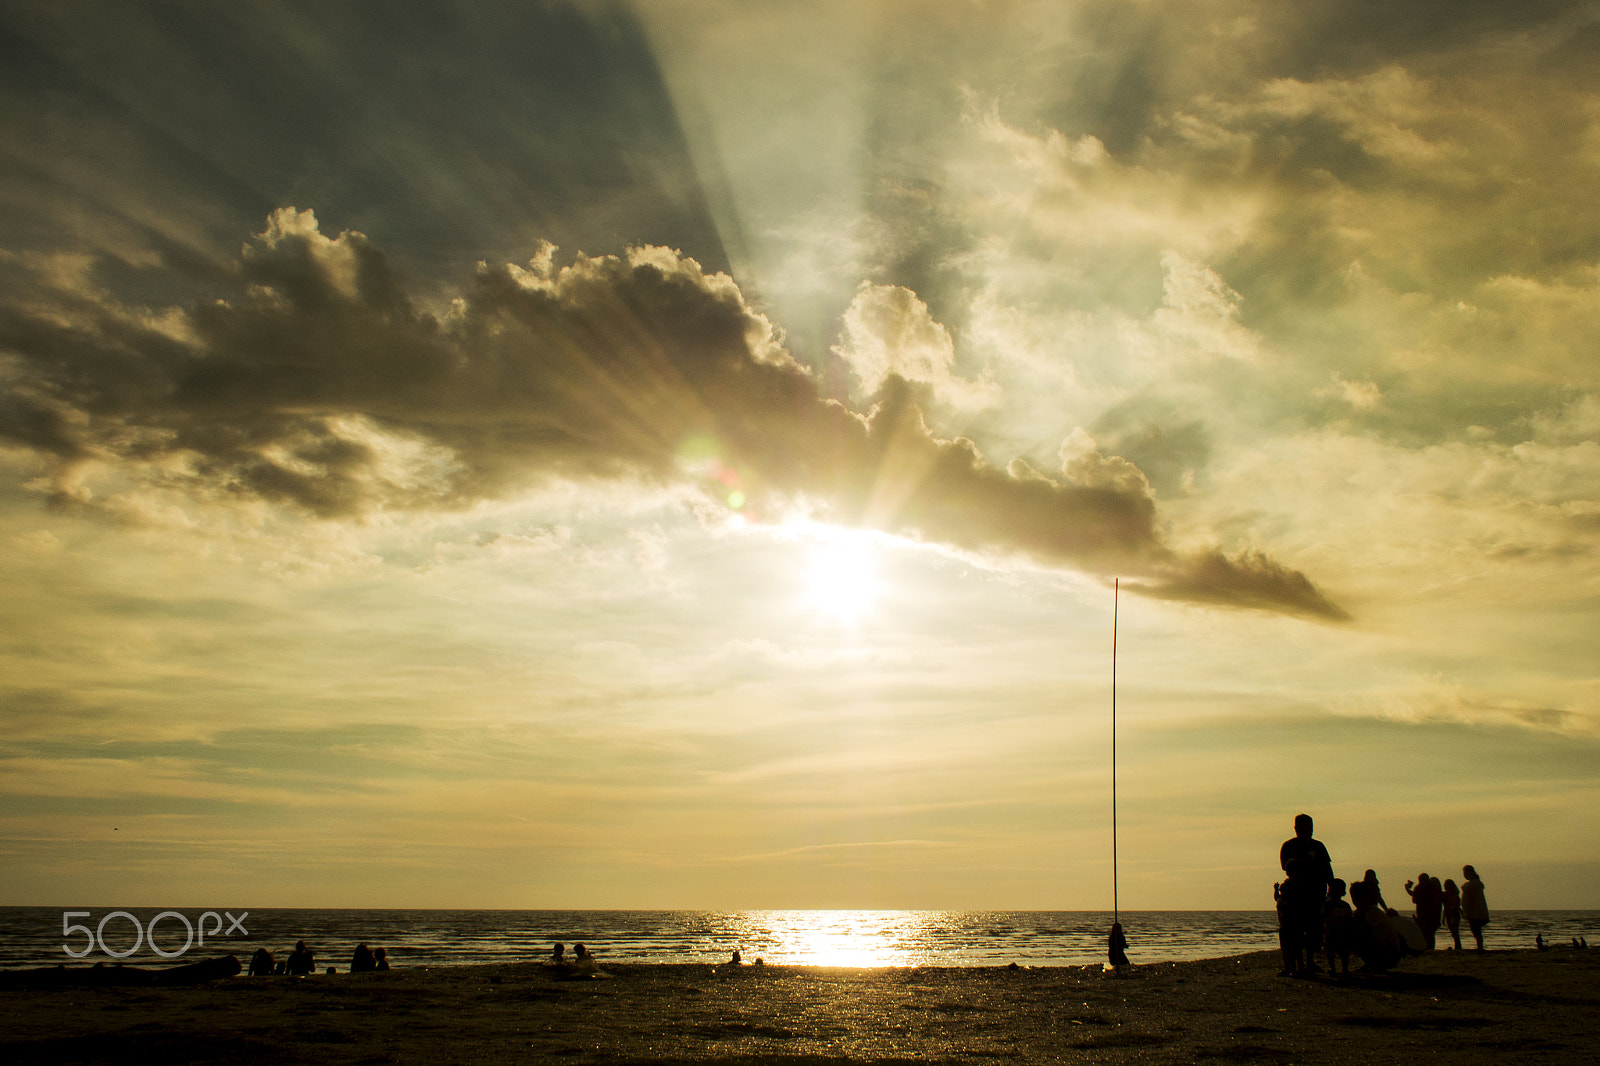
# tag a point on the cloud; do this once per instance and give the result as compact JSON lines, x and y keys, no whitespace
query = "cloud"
{"x":1361,"y":395}
{"x":1360,"y":33}
{"x":888,"y":330}
{"x":325,"y":387}
{"x":1201,"y":311}
{"x":40,"y":541}
{"x":1169,"y":448}
{"x":1434,"y":700}
{"x":1077,"y":197}
{"x":1248,"y":579}
{"x":132,"y":129}
{"x":849,"y":845}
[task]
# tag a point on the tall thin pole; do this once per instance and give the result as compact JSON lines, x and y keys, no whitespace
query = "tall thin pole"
{"x":1116,"y":590}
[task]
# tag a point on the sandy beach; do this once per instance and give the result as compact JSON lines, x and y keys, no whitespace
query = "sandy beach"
{"x":1504,"y":1006}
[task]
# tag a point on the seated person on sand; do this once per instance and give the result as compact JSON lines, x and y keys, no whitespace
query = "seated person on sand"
{"x":1337,"y":918}
{"x":261,"y":963}
{"x":1117,"y":949}
{"x":362,"y":961}
{"x":380,"y":960}
{"x":301,"y":962}
{"x":1412,"y":941}
{"x":1372,"y":936}
{"x":583,"y":964}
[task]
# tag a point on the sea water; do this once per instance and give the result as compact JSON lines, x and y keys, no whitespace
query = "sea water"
{"x":39,"y":936}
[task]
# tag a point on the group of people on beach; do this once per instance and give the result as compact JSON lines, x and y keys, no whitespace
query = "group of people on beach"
{"x":581,"y":965}
{"x":1314,"y":917}
{"x":302,"y":961}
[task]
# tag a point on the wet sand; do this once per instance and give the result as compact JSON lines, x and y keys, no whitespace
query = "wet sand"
{"x":1502,"y":1007}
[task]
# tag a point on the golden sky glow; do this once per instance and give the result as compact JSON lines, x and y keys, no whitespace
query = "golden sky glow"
{"x":577,"y":455}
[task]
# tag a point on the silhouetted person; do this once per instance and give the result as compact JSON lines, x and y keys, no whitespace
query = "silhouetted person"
{"x":1371,"y":878}
{"x":1299,"y":899}
{"x":735,"y":960}
{"x":362,"y":961}
{"x":1428,"y":897}
{"x":581,"y":967}
{"x":262,"y":963}
{"x":1304,"y":846}
{"x":1288,"y":945}
{"x":380,"y":959}
{"x":1411,"y":938}
{"x":1371,"y":935}
{"x":1117,"y":948}
{"x":1337,"y":918}
{"x":1451,"y":905}
{"x":301,"y":961}
{"x":1540,"y":945}
{"x":1474,"y":908}
{"x":560,"y":964}
{"x":1317,"y":872}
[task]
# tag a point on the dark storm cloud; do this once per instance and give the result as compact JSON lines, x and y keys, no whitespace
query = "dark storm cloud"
{"x":448,"y":130}
{"x":326,"y":387}
{"x":1251,"y":579}
{"x":1355,"y":34}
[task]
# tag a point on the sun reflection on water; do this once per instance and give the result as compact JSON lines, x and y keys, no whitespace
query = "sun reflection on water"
{"x":841,"y":938}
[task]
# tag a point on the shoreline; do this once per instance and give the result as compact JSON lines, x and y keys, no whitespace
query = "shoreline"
{"x":31,"y":937}
{"x":1531,"y":1006}
{"x":540,"y":962}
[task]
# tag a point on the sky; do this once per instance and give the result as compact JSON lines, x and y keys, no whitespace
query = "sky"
{"x":696,"y":454}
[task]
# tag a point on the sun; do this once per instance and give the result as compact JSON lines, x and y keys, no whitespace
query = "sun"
{"x":841,"y":579}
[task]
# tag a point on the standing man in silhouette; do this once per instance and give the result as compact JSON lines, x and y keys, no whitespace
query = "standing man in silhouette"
{"x":1304,"y":846}
{"x":1313,"y":865}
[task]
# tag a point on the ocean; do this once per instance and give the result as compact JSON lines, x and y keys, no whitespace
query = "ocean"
{"x":39,"y":936}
